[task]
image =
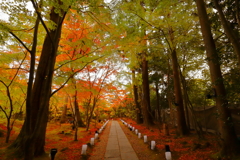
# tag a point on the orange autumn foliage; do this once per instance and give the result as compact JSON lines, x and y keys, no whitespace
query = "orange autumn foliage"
{"x":72,"y":44}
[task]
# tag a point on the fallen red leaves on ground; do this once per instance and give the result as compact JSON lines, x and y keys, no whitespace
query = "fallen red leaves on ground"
{"x":62,"y":137}
{"x":182,"y":148}
{"x":57,"y":136}
{"x":68,"y":148}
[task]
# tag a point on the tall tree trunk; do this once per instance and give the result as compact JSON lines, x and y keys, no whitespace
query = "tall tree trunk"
{"x":231,"y":34}
{"x":181,"y":121}
{"x":136,"y":99}
{"x":147,"y":119}
{"x":140,"y":100}
{"x":9,"y":129}
{"x":77,"y":117}
{"x":77,"y":114}
{"x":188,"y":105}
{"x":185,"y":97}
{"x":73,"y":104}
{"x":91,"y":113}
{"x":31,"y":76}
{"x":226,"y":129}
{"x":157,"y":102}
{"x":31,"y":140}
{"x":169,"y":99}
{"x":64,"y":112}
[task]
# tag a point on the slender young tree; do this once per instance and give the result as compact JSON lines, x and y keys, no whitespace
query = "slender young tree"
{"x":9,"y":114}
{"x":96,"y":86}
{"x":77,"y":115}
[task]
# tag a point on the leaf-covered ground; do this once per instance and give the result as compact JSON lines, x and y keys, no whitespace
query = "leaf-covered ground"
{"x":182,"y":148}
{"x":68,"y":149}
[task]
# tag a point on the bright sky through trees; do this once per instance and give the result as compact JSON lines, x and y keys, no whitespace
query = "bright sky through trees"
{"x":107,"y":1}
{"x":4,"y":16}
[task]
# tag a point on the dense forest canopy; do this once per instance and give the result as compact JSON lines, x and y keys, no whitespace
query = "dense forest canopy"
{"x":116,"y":58}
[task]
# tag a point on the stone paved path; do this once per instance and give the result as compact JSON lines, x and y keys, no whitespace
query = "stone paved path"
{"x":118,"y":146}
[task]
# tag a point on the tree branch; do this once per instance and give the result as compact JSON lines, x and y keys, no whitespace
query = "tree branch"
{"x":73,"y":60}
{"x":71,"y":77}
{"x":4,"y":111}
{"x":20,"y":41}
{"x":155,"y":28}
{"x":18,"y":70}
{"x":35,"y":6}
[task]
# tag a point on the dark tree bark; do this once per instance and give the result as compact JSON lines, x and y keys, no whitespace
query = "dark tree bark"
{"x":95,"y":99}
{"x":64,"y":112}
{"x":185,"y":98}
{"x":78,"y":115}
{"x":136,"y":100}
{"x":181,"y":121}
{"x":147,"y":118}
{"x":159,"y":118}
{"x":169,"y":98}
{"x":31,"y":140}
{"x":226,"y":129}
{"x":76,"y":111}
{"x":73,"y":104}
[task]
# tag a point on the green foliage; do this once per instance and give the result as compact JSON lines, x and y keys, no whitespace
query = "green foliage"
{"x":198,"y":90}
{"x":4,"y":29}
{"x":232,"y":86}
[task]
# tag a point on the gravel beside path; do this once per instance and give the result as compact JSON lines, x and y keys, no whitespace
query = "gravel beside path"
{"x":99,"y":148}
{"x":142,"y":149}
